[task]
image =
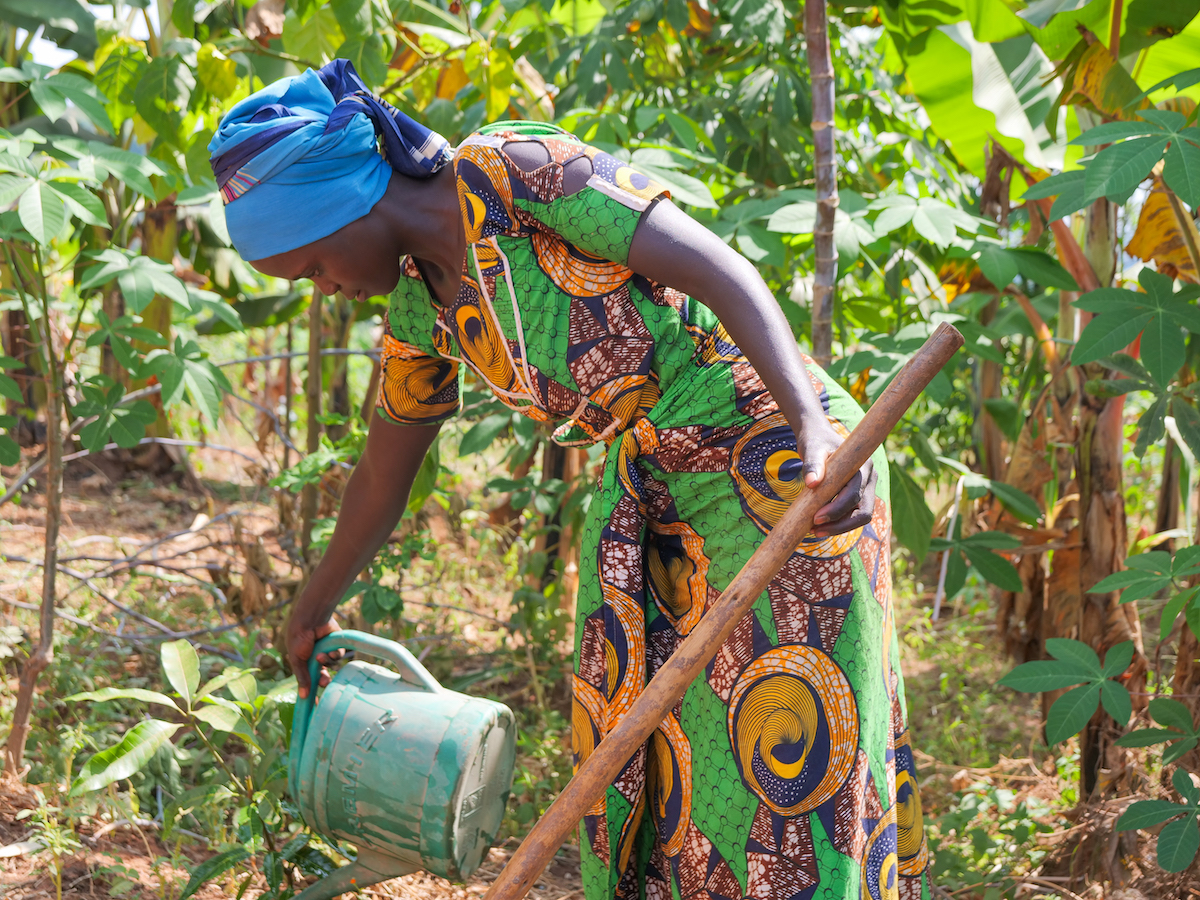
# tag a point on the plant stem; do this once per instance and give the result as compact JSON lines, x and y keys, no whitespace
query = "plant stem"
{"x":43,"y":654}
{"x":816,"y":33}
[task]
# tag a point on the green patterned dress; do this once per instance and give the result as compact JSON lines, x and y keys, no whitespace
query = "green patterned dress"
{"x":786,"y":772}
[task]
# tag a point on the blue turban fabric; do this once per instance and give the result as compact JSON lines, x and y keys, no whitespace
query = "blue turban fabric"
{"x":301,"y":158}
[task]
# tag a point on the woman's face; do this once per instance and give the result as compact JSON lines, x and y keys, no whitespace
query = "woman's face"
{"x":357,"y":260}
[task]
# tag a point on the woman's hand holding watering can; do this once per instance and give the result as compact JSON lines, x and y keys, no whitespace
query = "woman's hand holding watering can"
{"x":301,"y":636}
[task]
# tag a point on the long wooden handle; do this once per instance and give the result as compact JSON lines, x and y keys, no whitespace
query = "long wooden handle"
{"x":693,"y":654}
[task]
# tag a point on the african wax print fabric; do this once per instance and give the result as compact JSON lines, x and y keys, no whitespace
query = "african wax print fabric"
{"x":786,"y":771}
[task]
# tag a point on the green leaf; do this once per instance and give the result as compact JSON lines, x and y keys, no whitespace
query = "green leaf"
{"x":52,"y":94}
{"x":1179,"y":748}
{"x":1117,"y":659}
{"x":354,"y":16}
{"x":1071,"y":712}
{"x":683,"y":187}
{"x":1182,"y":782}
{"x":996,"y":569}
{"x":1017,"y":501}
{"x":1105,"y":335}
{"x":912,"y":519}
{"x":162,"y":96}
{"x":1115,"y":698}
{"x":1151,"y":425}
{"x":1043,"y":675}
{"x":896,"y":212}
{"x":12,"y":187}
{"x":482,"y":433}
{"x":1177,"y":844}
{"x":369,"y":55}
{"x":425,"y":480}
{"x":128,"y":756}
{"x":42,"y":213}
{"x":1153,"y":562}
{"x":1148,"y":813}
{"x":1117,"y":170}
{"x":1054,"y":185}
{"x":10,"y":389}
{"x":181,"y":665}
{"x":1182,"y":171}
{"x":245,"y":687}
{"x":1076,"y":652}
{"x":119,"y":72}
{"x":214,"y":684}
{"x":10,"y":451}
{"x":1111,"y":132}
{"x":114,"y":693}
{"x":83,"y":203}
{"x":996,"y":263}
{"x":1146,"y":737}
{"x":219,"y":717}
{"x":1173,"y":608}
{"x":1120,"y":580}
{"x":1040,"y":267}
{"x":213,"y":867}
{"x":1187,"y":420}
{"x":1172,"y":714}
{"x":316,"y":38}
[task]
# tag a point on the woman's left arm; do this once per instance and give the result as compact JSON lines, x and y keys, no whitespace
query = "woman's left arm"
{"x":673,"y":249}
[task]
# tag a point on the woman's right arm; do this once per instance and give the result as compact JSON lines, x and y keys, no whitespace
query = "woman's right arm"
{"x":373,"y":503}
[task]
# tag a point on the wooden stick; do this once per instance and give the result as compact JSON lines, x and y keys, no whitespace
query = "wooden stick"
{"x":718,"y":622}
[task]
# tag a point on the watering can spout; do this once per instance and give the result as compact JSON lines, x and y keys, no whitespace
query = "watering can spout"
{"x":371,"y":867}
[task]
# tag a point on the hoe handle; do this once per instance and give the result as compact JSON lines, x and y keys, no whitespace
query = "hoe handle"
{"x":694,"y":653}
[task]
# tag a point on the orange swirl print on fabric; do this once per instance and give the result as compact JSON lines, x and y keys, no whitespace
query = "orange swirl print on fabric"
{"x":577,"y":273}
{"x":670,"y":783}
{"x":624,"y":655}
{"x":480,"y":201}
{"x":880,"y":862}
{"x":767,"y":472}
{"x":793,"y":724}
{"x":911,"y":846}
{"x":415,"y":388}
{"x":627,"y":398}
{"x":678,"y":571}
{"x":587,"y":718}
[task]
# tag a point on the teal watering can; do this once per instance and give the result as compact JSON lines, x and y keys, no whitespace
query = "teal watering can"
{"x":414,"y":775}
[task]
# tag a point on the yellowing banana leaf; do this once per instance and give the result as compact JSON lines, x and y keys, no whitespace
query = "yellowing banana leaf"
{"x":1159,"y":236}
{"x":1099,"y":82}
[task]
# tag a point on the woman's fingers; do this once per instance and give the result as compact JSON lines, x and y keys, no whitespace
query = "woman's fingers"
{"x":851,"y":508}
{"x":843,"y":503}
{"x":814,"y":464}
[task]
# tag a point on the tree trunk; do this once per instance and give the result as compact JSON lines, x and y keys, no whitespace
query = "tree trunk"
{"x":991,"y":438}
{"x":816,"y":34}
{"x":160,"y":231}
{"x":1166,"y":514}
{"x":342,"y":310}
{"x":43,"y":654}
{"x":1096,"y":544}
{"x":310,"y":495}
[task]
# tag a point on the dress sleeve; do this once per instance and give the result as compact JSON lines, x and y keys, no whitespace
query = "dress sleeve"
{"x":600,"y":218}
{"x":416,"y":385}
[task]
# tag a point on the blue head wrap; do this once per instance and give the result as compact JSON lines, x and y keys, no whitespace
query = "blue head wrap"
{"x":300,"y":159}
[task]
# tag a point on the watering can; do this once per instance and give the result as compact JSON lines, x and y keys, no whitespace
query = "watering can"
{"x":414,"y":775}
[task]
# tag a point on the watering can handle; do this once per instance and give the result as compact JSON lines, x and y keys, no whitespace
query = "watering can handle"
{"x":371,"y":645}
